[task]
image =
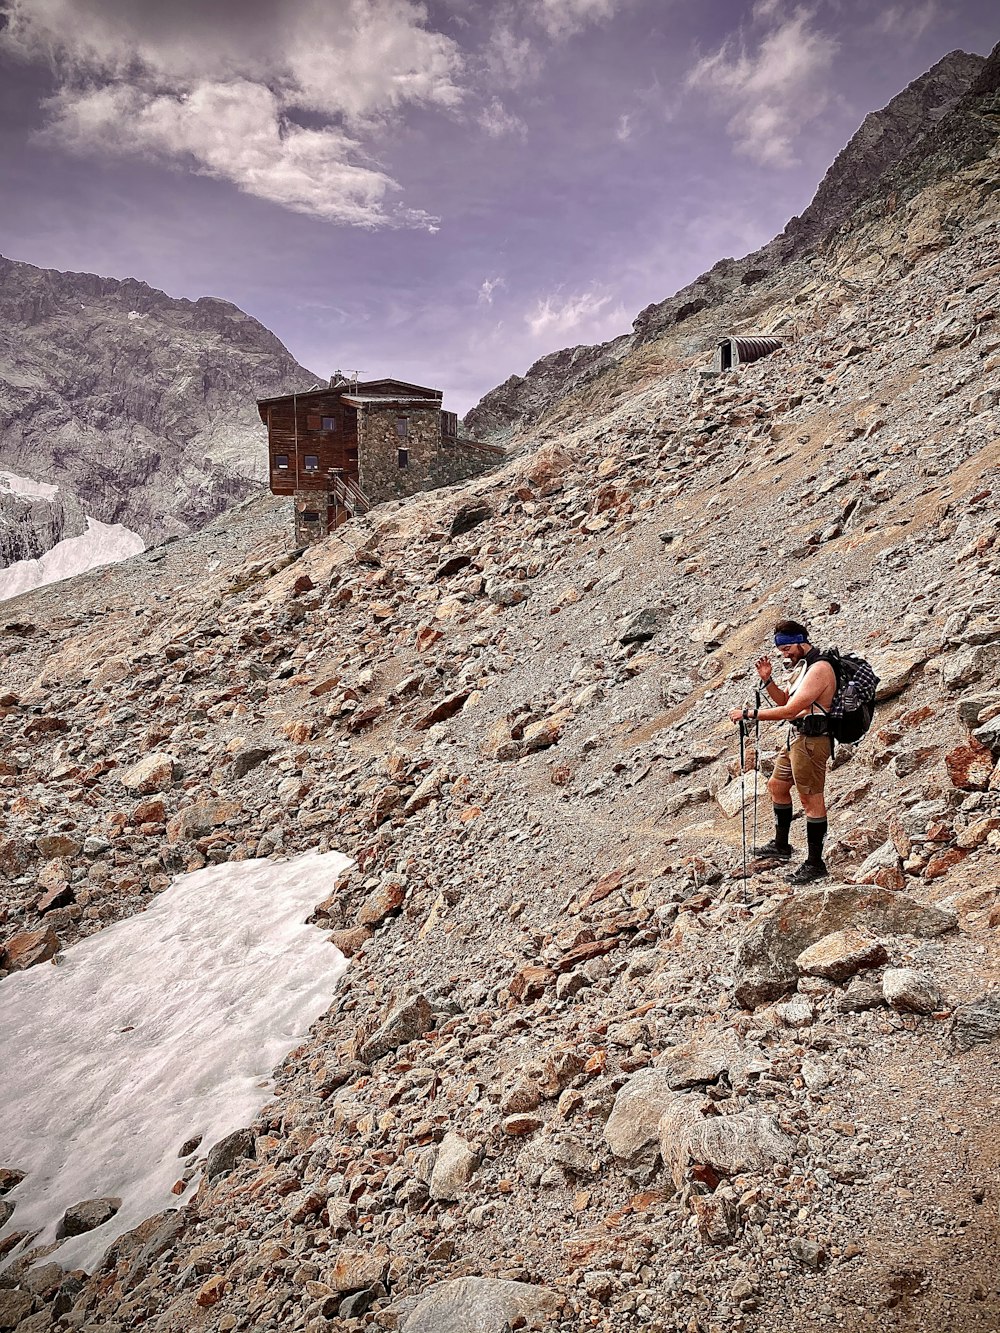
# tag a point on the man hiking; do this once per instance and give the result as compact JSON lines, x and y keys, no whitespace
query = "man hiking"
{"x":802,"y":763}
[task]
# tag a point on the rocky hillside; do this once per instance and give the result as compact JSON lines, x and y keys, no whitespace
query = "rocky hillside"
{"x":580,"y":1074}
{"x":140,"y":407}
{"x":939,"y":122}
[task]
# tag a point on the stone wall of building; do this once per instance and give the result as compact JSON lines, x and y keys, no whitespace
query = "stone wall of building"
{"x":315,"y":517}
{"x":380,"y":474}
{"x":461,"y":460}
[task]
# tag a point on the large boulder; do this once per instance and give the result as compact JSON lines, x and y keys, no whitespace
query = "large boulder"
{"x":632,"y":1128}
{"x":404,"y":1023}
{"x":224,"y":1155}
{"x":841,"y":954}
{"x":976,"y":1022}
{"x":29,"y":948}
{"x":765,"y":963}
{"x":703,"y":1059}
{"x":88,"y":1215}
{"x":453,"y":1168}
{"x":482,"y":1305}
{"x":154,"y":772}
{"x":727,"y":1144}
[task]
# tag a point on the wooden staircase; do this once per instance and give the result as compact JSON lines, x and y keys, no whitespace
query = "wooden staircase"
{"x":350,"y":498}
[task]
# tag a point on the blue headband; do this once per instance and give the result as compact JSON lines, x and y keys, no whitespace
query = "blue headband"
{"x":783,"y":640}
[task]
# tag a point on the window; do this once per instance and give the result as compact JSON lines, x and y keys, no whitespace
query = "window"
{"x":403,"y":457}
{"x":449,"y":424}
{"x":281,"y":461}
{"x":311,"y":463}
{"x":311,"y":515}
{"x":329,"y":423}
{"x":403,"y":429}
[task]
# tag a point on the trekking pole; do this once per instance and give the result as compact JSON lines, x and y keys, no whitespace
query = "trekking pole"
{"x":743,"y":805}
{"x":756,"y":758}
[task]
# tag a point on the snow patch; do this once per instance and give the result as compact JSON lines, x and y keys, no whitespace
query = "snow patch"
{"x":152,"y":1031}
{"x":101,"y":544}
{"x":27,"y":486}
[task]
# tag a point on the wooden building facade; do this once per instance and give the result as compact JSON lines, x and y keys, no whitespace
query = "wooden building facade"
{"x":337,"y":450}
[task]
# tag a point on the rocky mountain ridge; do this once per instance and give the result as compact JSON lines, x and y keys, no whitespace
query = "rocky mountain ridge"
{"x":139,"y":406}
{"x":946,"y":105}
{"x":580,"y":1073}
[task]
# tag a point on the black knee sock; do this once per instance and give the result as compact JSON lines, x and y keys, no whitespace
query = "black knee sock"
{"x":782,"y":824}
{"x":815,"y":833}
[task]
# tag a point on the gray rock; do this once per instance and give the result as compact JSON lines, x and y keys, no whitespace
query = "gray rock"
{"x":730,"y":1144}
{"x":641,"y":627}
{"x":798,"y":1012}
{"x":632,"y":1129}
{"x":453,"y":1169}
{"x":977,"y":1022}
{"x":469,"y":517}
{"x":481,"y":1305}
{"x":907,"y":989}
{"x":406,"y":1022}
{"x":247,"y":760}
{"x":859,"y":996}
{"x":15,"y":1305}
{"x":703,"y":1059}
{"x":765,"y":958}
{"x":6,"y":1211}
{"x":86,"y":1216}
{"x":969,"y":665}
{"x":224,"y":1155}
{"x":989,"y":734}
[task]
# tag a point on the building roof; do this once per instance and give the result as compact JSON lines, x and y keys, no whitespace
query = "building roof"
{"x":362,"y":399}
{"x":374,"y":389}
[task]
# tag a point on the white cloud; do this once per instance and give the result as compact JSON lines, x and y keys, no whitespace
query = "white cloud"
{"x":910,"y":21}
{"x":228,"y":99}
{"x":557,"y":314}
{"x":511,"y":58}
{"x":488,"y":287}
{"x":498,"y":122}
{"x":775,"y":88}
{"x":565,"y":18}
{"x":623,"y":130}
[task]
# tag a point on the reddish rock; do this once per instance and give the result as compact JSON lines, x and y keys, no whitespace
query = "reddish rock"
{"x":149,"y":812}
{"x":349,"y":942}
{"x":447,"y":708}
{"x":977,"y":833}
{"x":57,"y":844}
{"x":16,"y":854}
{"x":941,"y":862}
{"x":970,"y":766}
{"x":889,"y":877}
{"x":841,"y":954}
{"x":521,"y":1124}
{"x":211,"y":1291}
{"x":28,"y":948}
{"x":60,"y":895}
{"x":197,"y":820}
{"x":530,"y":983}
{"x":380,"y":903}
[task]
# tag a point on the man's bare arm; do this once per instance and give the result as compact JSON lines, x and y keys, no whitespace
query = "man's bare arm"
{"x":816,"y":681}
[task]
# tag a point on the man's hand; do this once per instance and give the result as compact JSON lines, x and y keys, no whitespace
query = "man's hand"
{"x":736,"y":715}
{"x":765,"y":670}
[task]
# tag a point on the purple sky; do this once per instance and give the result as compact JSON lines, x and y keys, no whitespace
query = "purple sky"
{"x":445,"y":191}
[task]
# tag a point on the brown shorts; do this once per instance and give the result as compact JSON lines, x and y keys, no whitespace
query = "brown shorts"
{"x":804,"y":764}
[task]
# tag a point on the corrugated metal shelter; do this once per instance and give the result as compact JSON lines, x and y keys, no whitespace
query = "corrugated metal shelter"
{"x":738,"y":350}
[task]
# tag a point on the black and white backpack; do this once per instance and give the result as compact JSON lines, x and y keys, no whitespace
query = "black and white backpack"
{"x":853,"y":705}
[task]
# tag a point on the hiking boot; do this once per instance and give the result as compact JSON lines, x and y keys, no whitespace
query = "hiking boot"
{"x":771,"y":851}
{"x":807,"y":872}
